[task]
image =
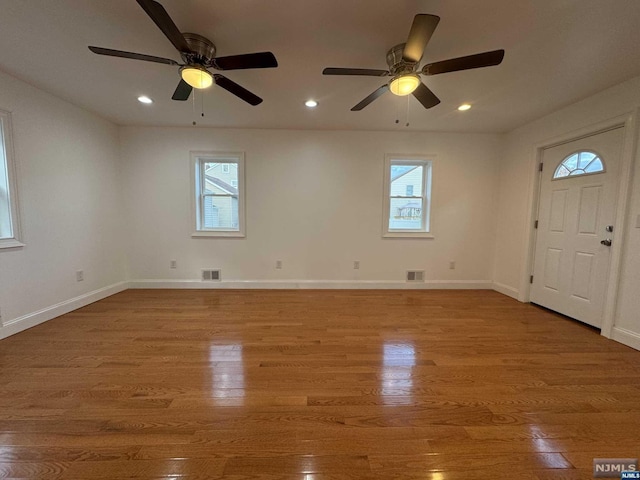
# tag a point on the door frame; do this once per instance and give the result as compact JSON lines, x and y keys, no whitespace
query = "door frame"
{"x":629,"y":122}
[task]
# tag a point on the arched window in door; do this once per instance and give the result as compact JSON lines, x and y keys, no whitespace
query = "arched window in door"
{"x":579,"y":163}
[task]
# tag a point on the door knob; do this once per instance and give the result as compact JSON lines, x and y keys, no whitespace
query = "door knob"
{"x":606,"y":243}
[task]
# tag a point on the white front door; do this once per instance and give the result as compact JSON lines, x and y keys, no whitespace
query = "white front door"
{"x":576,"y":209}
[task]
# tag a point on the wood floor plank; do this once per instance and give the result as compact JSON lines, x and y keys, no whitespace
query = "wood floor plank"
{"x":314,"y":385}
{"x":303,"y":464}
{"x":452,"y":462}
{"x":117,"y":469}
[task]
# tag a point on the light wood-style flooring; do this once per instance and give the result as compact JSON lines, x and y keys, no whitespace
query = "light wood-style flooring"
{"x":314,"y":385}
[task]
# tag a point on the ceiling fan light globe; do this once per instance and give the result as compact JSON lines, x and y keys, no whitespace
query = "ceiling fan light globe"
{"x":196,"y":77}
{"x":404,"y":84}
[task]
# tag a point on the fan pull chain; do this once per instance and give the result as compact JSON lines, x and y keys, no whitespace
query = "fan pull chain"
{"x":202,"y":105}
{"x":407,"y":124}
{"x":193,"y":103}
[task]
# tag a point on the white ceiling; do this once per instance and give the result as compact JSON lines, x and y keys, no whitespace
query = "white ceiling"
{"x":557,"y":52}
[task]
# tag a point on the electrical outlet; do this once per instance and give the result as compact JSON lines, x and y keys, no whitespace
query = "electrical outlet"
{"x":173,"y":264}
{"x":79,"y":276}
{"x":356,"y":265}
{"x":279,"y":264}
{"x":452,"y":265}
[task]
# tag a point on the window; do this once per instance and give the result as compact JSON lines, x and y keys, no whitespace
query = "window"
{"x":407,"y":192}
{"x":9,"y":224}
{"x":218,"y":180}
{"x":579,"y":163}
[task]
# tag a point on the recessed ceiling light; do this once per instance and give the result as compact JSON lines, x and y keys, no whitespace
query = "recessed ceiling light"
{"x":464,"y":106}
{"x":311,"y":103}
{"x":144,"y":99}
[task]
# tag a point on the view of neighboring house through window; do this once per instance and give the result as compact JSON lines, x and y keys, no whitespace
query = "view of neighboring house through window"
{"x":407,"y":195}
{"x":219,"y":195}
{"x":9,"y":226}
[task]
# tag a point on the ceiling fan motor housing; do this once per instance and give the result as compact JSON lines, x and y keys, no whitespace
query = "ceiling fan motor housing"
{"x":397,"y":65}
{"x":203,"y":51}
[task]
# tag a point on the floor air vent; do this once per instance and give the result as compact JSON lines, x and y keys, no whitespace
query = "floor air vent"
{"x":211,"y":275}
{"x":415,"y":276}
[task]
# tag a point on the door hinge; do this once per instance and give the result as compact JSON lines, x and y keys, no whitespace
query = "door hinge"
{"x":531,"y":279}
{"x":535,"y":224}
{"x":541,"y":166}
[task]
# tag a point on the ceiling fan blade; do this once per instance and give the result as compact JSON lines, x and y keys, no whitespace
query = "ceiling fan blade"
{"x":162,"y":19}
{"x":382,"y":90}
{"x":486,"y":59}
{"x":421,"y":30}
{"x":355,"y":71}
{"x":237,"y":90}
{"x":425,"y":96}
{"x":183,"y":90}
{"x":249,"y":60}
{"x":133,"y":56}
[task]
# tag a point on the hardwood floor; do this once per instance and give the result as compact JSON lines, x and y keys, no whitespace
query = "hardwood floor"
{"x":314,"y":385}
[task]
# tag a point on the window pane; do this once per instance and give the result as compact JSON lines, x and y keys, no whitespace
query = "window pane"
{"x":410,"y":178}
{"x":585,"y":158}
{"x":5,"y":207}
{"x":562,"y":172}
{"x":594,"y":166}
{"x":572,"y":162}
{"x":405,"y":214}
{"x":221,"y":177}
{"x":220,"y":212}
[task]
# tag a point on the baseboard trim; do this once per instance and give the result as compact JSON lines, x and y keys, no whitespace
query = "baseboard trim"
{"x":16,"y":325}
{"x":315,"y":284}
{"x":629,"y":338}
{"x":506,"y":290}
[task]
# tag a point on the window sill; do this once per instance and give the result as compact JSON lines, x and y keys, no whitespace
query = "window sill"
{"x":408,"y":235}
{"x":10,"y":243}
{"x":222,"y":233}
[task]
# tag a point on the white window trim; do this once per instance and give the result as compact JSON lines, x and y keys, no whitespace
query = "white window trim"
{"x":16,"y":234}
{"x":195,"y":159}
{"x":426,"y":160}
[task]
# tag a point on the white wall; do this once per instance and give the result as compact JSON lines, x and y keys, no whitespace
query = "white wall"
{"x":68,"y":185}
{"x":314,"y":201}
{"x":517,"y":170}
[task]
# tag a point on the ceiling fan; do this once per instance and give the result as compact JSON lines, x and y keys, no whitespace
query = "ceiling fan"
{"x":404,"y":61}
{"x":198,"y":54}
